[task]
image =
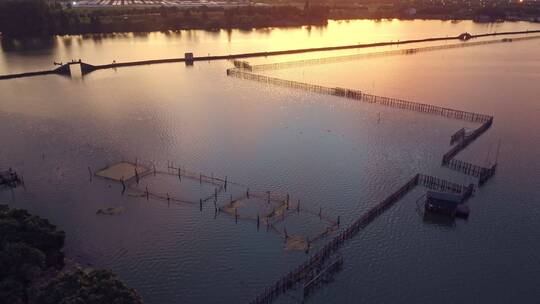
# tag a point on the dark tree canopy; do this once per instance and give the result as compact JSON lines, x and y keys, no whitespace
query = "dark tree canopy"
{"x":94,"y":287}
{"x":18,"y":226}
{"x":31,"y":247}
{"x":25,"y":18}
{"x":28,"y":246}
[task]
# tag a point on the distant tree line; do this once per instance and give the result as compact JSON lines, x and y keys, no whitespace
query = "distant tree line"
{"x":20,"y":18}
{"x":31,"y":260}
{"x":37,"y":18}
{"x":25,"y":17}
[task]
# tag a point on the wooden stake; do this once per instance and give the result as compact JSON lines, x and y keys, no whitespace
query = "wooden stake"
{"x":90,"y":173}
{"x":498,"y":149}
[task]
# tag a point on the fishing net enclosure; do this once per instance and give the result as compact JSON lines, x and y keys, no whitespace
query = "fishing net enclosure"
{"x":297,"y":223}
{"x":180,"y":187}
{"x":122,"y":171}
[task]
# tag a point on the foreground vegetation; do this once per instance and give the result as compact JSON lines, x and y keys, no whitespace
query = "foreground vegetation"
{"x":31,"y":263}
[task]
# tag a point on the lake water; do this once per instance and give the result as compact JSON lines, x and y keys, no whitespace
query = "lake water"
{"x":330,"y":153}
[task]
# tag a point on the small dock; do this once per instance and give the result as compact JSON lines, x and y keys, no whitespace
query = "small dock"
{"x":9,"y":179}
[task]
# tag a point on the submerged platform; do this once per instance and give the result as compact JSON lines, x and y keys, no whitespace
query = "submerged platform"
{"x":122,"y":171}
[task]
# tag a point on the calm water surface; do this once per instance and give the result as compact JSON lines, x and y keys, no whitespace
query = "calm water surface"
{"x":328,"y":152}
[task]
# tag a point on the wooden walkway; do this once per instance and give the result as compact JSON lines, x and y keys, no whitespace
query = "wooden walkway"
{"x":87,"y":68}
{"x":370,"y":98}
{"x":345,"y":58}
{"x":468,"y":168}
{"x":62,"y":70}
{"x":459,"y":135}
{"x":467,"y":140}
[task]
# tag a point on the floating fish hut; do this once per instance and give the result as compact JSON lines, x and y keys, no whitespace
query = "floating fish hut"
{"x":450,"y":204}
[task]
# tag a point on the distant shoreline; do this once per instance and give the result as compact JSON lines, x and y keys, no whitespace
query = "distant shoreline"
{"x":271,"y":25}
{"x":56,"y":19}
